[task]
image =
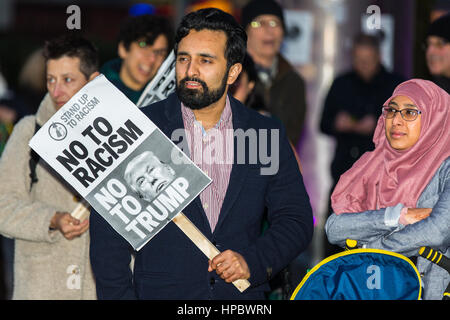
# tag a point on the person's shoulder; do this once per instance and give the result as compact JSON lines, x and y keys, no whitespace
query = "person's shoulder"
{"x":397,"y":78}
{"x":255,"y":119}
{"x":389,"y":75}
{"x":22,"y":131}
{"x":446,"y":162}
{"x":111,"y":66}
{"x":444,"y":169}
{"x":26,"y":123}
{"x":160,"y":110}
{"x":344,"y":81}
{"x":287,"y":72}
{"x":154,"y":107}
{"x":442,"y":174}
{"x":345,"y":76}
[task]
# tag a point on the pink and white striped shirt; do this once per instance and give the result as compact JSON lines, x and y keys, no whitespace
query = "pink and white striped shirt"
{"x":212,"y":151}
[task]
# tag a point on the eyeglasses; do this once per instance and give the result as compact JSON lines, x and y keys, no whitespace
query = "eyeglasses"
{"x":156,"y":52}
{"x":407,"y":114}
{"x":265,"y":23}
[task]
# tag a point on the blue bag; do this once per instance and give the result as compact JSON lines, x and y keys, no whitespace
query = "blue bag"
{"x":361,"y":274}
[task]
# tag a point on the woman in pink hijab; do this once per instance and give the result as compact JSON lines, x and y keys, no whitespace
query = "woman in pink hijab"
{"x":397,"y":197}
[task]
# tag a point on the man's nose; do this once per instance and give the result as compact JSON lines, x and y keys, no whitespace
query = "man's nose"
{"x":433,"y":49}
{"x":150,"y":178}
{"x":150,"y":56}
{"x":192,"y":70}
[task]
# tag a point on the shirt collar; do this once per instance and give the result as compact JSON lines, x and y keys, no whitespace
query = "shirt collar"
{"x":225,"y":117}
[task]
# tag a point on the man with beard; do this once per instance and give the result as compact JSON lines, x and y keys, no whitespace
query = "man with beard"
{"x":210,"y":47}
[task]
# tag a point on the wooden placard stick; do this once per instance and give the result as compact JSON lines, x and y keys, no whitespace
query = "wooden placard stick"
{"x":199,"y":239}
{"x":190,"y":230}
{"x":81,"y":211}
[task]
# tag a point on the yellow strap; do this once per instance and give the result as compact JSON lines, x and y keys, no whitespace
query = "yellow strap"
{"x":434,"y":257}
{"x":440,"y":257}
{"x":431,"y":251}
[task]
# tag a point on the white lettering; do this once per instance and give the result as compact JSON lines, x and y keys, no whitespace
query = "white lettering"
{"x":74,"y":20}
{"x":374,"y":21}
{"x":374,"y":281}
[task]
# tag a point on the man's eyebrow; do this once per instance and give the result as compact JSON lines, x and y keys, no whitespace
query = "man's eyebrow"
{"x":136,"y":176}
{"x":205,"y":55}
{"x":67,"y":74}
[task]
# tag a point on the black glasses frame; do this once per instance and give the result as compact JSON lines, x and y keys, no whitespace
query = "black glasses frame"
{"x":402,"y":113}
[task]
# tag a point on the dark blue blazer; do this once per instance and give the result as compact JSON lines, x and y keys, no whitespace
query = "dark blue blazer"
{"x":170,"y":266}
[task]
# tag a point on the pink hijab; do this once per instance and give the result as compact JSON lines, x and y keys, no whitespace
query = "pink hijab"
{"x":385,"y":177}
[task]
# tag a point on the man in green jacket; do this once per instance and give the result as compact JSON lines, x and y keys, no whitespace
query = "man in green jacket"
{"x":144,"y":43}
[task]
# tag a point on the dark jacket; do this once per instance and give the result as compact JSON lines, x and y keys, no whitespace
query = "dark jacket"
{"x":442,"y":82}
{"x":111,"y":70}
{"x":285,"y":99}
{"x":170,"y":266}
{"x":358,"y":98}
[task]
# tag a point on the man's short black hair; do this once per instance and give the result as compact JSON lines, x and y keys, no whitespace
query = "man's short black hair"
{"x":145,"y":27}
{"x":363,"y":39}
{"x":74,"y":46}
{"x":217,"y":20}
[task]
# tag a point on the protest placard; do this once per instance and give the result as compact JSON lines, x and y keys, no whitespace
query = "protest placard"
{"x":121,"y":164}
{"x":162,"y":84}
{"x":104,"y":147}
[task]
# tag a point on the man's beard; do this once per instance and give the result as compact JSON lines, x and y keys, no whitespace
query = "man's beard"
{"x":195,"y":99}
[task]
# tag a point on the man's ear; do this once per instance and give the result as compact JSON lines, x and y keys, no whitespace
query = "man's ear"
{"x":251,"y":85}
{"x":121,"y":50}
{"x":93,"y":75}
{"x":233,"y":73}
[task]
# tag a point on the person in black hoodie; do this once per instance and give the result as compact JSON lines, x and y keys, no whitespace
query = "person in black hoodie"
{"x":353,"y":105}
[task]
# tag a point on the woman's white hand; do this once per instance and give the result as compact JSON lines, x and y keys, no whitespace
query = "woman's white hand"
{"x":69,"y":226}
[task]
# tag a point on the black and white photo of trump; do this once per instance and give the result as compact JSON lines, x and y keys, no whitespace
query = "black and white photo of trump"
{"x":146,"y":175}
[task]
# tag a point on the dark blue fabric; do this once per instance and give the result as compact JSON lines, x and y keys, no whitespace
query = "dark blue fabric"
{"x":171,"y":267}
{"x":362,"y":276}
